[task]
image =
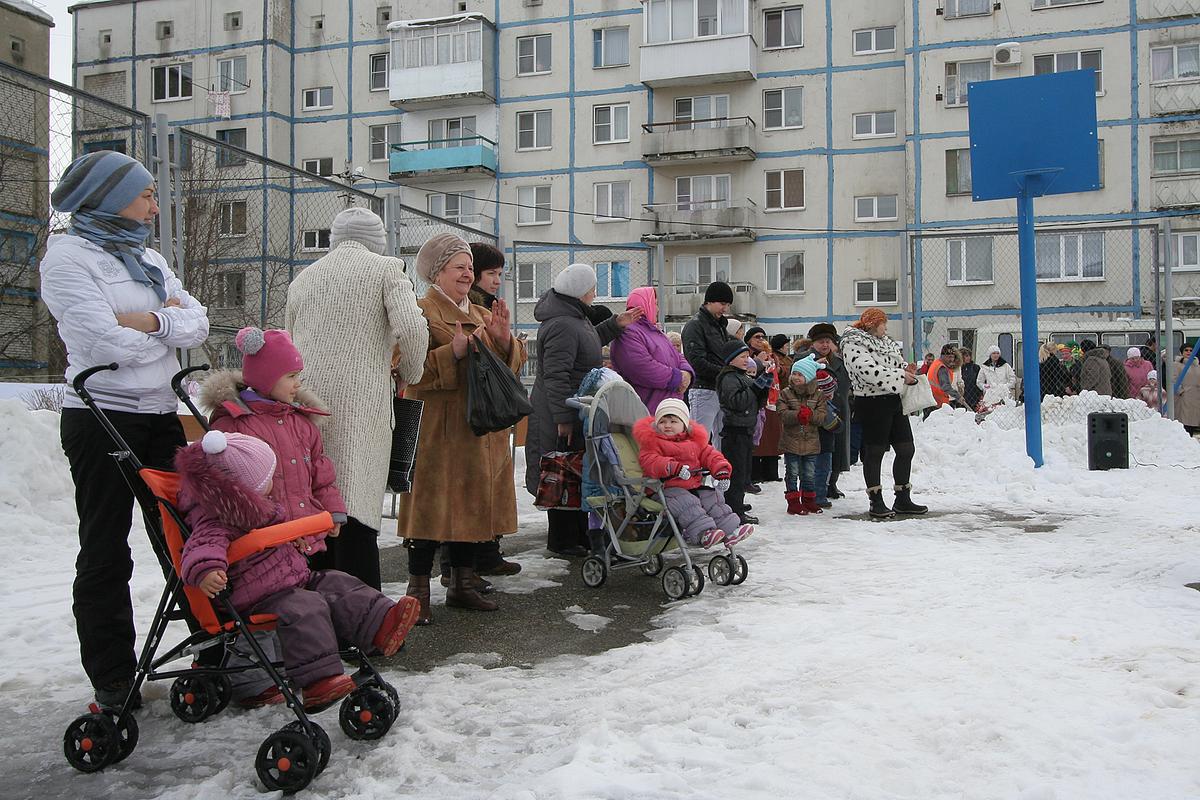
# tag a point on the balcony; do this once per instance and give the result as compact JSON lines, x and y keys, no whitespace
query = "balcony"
{"x":442,"y":62}
{"x":682,"y":299}
{"x":1179,"y":192}
{"x":1168,"y":9}
{"x":444,"y":159}
{"x":701,"y":223}
{"x":414,"y":229}
{"x":702,"y":141}
{"x":699,"y":62}
{"x":1174,"y":98}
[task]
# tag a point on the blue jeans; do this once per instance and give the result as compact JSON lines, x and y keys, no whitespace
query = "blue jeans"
{"x":705,"y":408}
{"x":824,"y":465}
{"x":800,"y":470}
{"x":856,"y":434}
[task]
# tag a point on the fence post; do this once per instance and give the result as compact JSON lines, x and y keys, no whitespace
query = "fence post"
{"x":660,"y":268}
{"x":905,"y":300}
{"x":162,"y":152}
{"x":1167,"y":379}
{"x":390,"y":218}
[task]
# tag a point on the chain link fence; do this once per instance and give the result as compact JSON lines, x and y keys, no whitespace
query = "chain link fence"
{"x":409,"y":228}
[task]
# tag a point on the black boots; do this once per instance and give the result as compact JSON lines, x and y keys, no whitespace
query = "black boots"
{"x":879,"y":509}
{"x":489,"y":560}
{"x":462,"y":592}
{"x":904,"y":503}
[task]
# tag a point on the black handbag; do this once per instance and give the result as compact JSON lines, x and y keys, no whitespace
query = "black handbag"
{"x":406,"y":419}
{"x":496,"y":400}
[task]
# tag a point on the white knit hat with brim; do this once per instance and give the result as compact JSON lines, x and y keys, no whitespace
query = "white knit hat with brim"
{"x":675,"y":408}
{"x":575,"y":281}
{"x":358,"y":224}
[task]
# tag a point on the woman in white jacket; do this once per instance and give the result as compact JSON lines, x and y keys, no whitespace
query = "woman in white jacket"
{"x":115,"y":301}
{"x":997,"y":379}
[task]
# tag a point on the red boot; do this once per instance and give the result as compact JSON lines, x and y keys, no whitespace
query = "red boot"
{"x":809,"y":503}
{"x":794,"y":504}
{"x":323,"y":693}
{"x":398,"y":621}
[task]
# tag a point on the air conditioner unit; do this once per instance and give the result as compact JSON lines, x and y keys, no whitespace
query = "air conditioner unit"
{"x":1007,"y":54}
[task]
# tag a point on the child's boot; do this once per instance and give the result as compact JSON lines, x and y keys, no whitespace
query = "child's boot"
{"x":418,"y":588}
{"x":398,"y":621}
{"x":809,"y":503}
{"x":267,"y":697}
{"x":904,"y":503}
{"x":742,"y":533}
{"x":323,"y":693}
{"x":879,"y":509}
{"x":712,"y":538}
{"x":795,"y":506}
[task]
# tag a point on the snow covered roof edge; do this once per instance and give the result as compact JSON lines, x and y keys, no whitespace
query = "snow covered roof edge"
{"x":29,"y":10}
{"x":446,"y":20}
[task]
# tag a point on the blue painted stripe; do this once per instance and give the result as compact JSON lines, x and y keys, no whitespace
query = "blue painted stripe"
{"x":1131,"y":28}
{"x":841,"y":68}
{"x":525,"y":23}
{"x":629,"y":88}
{"x":541,"y":173}
{"x":29,"y":148}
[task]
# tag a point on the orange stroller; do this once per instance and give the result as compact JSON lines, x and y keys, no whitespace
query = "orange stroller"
{"x":288,"y":759}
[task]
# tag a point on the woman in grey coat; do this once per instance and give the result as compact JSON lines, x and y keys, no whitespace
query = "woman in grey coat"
{"x":568,"y":347}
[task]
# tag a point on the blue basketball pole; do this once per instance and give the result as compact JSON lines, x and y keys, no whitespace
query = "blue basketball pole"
{"x":1029,"y":323}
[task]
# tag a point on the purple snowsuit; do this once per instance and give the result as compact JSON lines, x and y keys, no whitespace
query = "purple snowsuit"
{"x":647,"y":360}
{"x":313,"y":608}
{"x":699,"y":510}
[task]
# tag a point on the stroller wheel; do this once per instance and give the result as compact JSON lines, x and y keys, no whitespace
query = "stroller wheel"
{"x":740,"y":571}
{"x":194,"y":699}
{"x":653,"y":565}
{"x":224,"y":692}
{"x":127,"y":731}
{"x":287,"y":761}
{"x":321,"y":741}
{"x":392,"y":693}
{"x":675,"y":583}
{"x":720,"y":570}
{"x":367,"y":713}
{"x":593,"y":572}
{"x":697,"y":581}
{"x":92,"y":742}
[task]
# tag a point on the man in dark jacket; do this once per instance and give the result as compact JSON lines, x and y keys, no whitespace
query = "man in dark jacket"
{"x":1119,"y":376}
{"x":1094,"y":374}
{"x":824,"y":339}
{"x":739,"y":398}
{"x":703,"y":337}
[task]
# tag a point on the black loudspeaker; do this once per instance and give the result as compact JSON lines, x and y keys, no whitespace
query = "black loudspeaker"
{"x":1108,"y":441}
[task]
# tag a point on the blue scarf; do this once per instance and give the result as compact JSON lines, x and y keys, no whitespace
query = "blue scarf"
{"x":124,"y":238}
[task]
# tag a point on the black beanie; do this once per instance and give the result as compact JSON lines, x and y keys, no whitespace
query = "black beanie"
{"x":730,"y":350}
{"x":823,"y":330}
{"x":751,"y":333}
{"x":778,"y":341}
{"x":718,"y":292}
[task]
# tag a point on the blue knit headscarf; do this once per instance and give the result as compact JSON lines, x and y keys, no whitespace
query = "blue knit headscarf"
{"x":94,"y":190}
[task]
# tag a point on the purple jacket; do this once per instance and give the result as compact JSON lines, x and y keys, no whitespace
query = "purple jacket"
{"x":647,"y":360}
{"x":218,"y":510}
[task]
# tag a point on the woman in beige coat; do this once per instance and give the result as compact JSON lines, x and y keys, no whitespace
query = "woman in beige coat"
{"x":452,"y":462}
{"x":1187,"y":401}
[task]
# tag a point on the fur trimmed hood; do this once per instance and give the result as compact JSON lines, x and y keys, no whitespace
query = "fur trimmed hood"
{"x":644,"y":431}
{"x":220,"y":394}
{"x":232,"y":502}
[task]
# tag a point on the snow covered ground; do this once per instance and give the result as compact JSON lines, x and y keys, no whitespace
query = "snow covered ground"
{"x":1031,"y":639}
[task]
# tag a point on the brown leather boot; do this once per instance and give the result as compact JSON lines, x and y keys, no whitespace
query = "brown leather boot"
{"x":462,"y":593}
{"x":418,"y":587}
{"x":481,"y":585}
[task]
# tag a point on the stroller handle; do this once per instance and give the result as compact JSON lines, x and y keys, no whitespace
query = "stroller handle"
{"x":81,"y":378}
{"x":181,"y":393}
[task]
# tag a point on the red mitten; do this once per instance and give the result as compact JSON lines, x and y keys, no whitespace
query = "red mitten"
{"x":804,"y":415}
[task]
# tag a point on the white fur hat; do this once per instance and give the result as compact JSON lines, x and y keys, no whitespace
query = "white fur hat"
{"x":575,"y":281}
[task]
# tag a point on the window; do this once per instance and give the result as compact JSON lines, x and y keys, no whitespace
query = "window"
{"x":610,"y":124}
{"x":1070,"y":256}
{"x":969,"y":260}
{"x":612,"y":280}
{"x":696,"y":271}
{"x":876,"y":208}
{"x":16,"y":49}
{"x":610,"y":47}
{"x":958,"y":171}
{"x":235,"y":137}
{"x":869,"y":41}
{"x":533,"y":279}
{"x":377,"y":75}
{"x":383,"y":16}
{"x":783,"y":108}
{"x":698,"y":192}
{"x":967,"y":8}
{"x":533,"y":205}
{"x":116,"y":145}
{"x":231,"y":291}
{"x":16,"y":247}
{"x":106,"y":37}
{"x":1052,"y":3}
{"x":1179,"y":62}
{"x":434,"y":45}
{"x":612,"y":202}
{"x":875,"y":292}
{"x":164,"y":29}
{"x":782,"y":27}
{"x":171,"y":82}
{"x":382,"y":137}
{"x":318,"y":166}
{"x":533,"y":130}
{"x":456,"y":207}
{"x":232,"y":220}
{"x":315,"y":239}
{"x":533,"y":54}
{"x":961,"y":337}
{"x":233,"y":21}
{"x":874,"y":124}
{"x":785,"y":189}
{"x":318,"y":23}
{"x":451,"y":132}
{"x":1187,"y":252}
{"x":1176,"y":156}
{"x":185,"y":150}
{"x":785,"y":272}
{"x":679,"y":20}
{"x":709,"y":111}
{"x":960,"y":74}
{"x":318,"y":98}
{"x":231,"y":75}
{"x":1065,"y":62}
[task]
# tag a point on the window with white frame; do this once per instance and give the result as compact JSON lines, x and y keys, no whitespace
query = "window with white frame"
{"x":960,"y":75}
{"x":1070,"y":256}
{"x":961,"y":337}
{"x":318,"y":98}
{"x":958,"y":171}
{"x":610,"y":123}
{"x":1187,"y":251}
{"x":533,"y":130}
{"x":533,"y":54}
{"x":315,"y":239}
{"x":969,"y":261}
{"x":1175,"y":156}
{"x":231,"y":75}
{"x":318,"y":166}
{"x":785,"y":189}
{"x":967,"y":8}
{"x":785,"y":272}
{"x":868,"y":41}
{"x":231,"y":290}
{"x":533,"y":205}
{"x":232,"y":218}
{"x":235,"y":137}
{"x":612,"y":280}
{"x":1067,"y":62}
{"x":696,"y":270}
{"x":171,"y":82}
{"x":783,"y":27}
{"x":1052,"y":3}
{"x":783,"y":108}
{"x":611,"y":201}
{"x":533,"y":279}
{"x":454,"y":206}
{"x":377,"y":75}
{"x":1177,"y":62}
{"x":451,"y":132}
{"x":610,"y":47}
{"x":382,"y":138}
{"x":680,"y":20}
{"x":697,"y":192}
{"x":434,"y":45}
{"x":874,"y":124}
{"x":876,"y":208}
{"x":703,"y":111}
{"x":875,"y":292}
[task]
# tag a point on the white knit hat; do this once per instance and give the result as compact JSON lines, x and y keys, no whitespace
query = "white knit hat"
{"x":358,"y":224}
{"x":994,"y":350}
{"x":1133,"y":352}
{"x":675,"y":408}
{"x":575,"y":281}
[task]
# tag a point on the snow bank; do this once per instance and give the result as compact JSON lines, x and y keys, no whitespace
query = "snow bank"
{"x":35,"y":481}
{"x":1070,"y":411}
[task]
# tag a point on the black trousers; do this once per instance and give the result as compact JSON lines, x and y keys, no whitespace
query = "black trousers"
{"x":567,"y":529}
{"x":737,"y":445}
{"x":101,"y":600}
{"x":421,"y":552}
{"x":487,"y":555}
{"x":354,"y":551}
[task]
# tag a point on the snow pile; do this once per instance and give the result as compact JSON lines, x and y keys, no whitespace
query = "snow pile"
{"x":34,"y":477}
{"x":578,"y":617}
{"x":1070,"y":410}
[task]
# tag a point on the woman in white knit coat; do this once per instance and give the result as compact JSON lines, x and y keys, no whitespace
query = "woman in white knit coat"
{"x":347,"y":312}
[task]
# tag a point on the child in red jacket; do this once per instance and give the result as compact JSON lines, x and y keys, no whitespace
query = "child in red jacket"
{"x":675,"y":449}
